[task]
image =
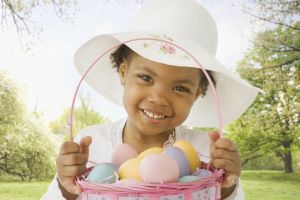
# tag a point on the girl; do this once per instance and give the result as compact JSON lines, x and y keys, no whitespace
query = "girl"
{"x":162,"y":87}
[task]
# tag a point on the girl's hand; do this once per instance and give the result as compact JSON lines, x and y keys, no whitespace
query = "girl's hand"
{"x":70,"y":163}
{"x":224,"y":155}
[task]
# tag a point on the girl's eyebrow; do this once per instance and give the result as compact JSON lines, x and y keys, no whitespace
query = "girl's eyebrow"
{"x":179,"y":81}
{"x":145,"y":68}
{"x":185,"y":81}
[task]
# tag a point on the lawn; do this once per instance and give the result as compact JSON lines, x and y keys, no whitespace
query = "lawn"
{"x":258,"y":185}
{"x":22,"y":190}
{"x":270,"y":185}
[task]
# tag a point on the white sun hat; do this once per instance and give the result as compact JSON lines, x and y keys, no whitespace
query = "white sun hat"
{"x":189,"y":26}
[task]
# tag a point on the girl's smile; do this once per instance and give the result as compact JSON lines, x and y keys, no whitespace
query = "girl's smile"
{"x":157,"y":97}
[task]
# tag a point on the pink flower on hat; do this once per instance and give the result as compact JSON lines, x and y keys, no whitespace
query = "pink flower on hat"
{"x":166,"y":48}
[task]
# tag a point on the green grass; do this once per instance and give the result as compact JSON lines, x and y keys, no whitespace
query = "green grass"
{"x":270,"y":185}
{"x":22,"y":190}
{"x":258,"y":185}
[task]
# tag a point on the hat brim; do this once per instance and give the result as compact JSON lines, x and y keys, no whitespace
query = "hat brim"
{"x":234,"y":93}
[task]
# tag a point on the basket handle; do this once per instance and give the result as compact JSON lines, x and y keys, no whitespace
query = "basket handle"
{"x":215,"y":95}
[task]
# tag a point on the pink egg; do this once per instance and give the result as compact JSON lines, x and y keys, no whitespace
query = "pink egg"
{"x":159,"y":168}
{"x":122,"y":153}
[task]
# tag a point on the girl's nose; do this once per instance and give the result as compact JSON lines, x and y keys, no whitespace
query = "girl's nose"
{"x":159,"y":96}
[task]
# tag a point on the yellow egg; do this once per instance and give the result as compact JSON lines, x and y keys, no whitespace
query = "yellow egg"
{"x":190,"y":153}
{"x":150,"y":151}
{"x":130,"y":169}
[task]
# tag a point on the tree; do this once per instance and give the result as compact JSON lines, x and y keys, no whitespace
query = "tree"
{"x":20,"y":12}
{"x":83,"y":116}
{"x":26,"y":151}
{"x":271,"y":124}
{"x":11,"y":108}
{"x":278,"y":12}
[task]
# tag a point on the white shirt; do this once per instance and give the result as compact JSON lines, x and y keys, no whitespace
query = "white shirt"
{"x":106,"y":137}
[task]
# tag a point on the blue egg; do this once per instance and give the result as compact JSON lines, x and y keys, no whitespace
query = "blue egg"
{"x":103,"y":173}
{"x":202,"y":173}
{"x":178,"y":155}
{"x":188,"y":179}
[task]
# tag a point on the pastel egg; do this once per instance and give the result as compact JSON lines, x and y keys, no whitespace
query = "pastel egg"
{"x":103,"y":173}
{"x":190,"y":153}
{"x":150,"y":151}
{"x":122,"y":153}
{"x":202,"y":173}
{"x":130,"y":169}
{"x":159,"y":168}
{"x":188,"y":179}
{"x":178,"y":155}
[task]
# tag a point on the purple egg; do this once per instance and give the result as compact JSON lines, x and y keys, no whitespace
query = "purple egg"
{"x":178,"y":155}
{"x":202,"y":173}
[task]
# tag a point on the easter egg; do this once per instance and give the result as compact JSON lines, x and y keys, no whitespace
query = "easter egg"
{"x":190,"y":153}
{"x":103,"y":173}
{"x":202,"y":173}
{"x":159,"y":168}
{"x":122,"y":153}
{"x":130,"y":169}
{"x":188,"y":179}
{"x":178,"y":155}
{"x":150,"y":151}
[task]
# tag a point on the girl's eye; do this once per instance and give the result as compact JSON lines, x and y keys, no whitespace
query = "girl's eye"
{"x":144,"y":77}
{"x":182,"y":89}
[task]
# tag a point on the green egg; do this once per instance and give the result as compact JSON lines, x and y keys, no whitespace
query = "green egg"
{"x":188,"y":179}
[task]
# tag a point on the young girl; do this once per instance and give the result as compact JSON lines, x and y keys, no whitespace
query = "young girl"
{"x":162,"y":87}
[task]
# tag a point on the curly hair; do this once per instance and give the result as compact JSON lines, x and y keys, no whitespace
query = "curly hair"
{"x":125,"y":53}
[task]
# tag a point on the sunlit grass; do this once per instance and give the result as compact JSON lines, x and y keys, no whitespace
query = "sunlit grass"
{"x":270,"y":185}
{"x":22,"y":190}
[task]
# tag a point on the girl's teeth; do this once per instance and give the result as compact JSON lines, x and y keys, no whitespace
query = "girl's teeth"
{"x":152,"y":115}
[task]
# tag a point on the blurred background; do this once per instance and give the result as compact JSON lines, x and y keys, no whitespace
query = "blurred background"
{"x":259,"y":40}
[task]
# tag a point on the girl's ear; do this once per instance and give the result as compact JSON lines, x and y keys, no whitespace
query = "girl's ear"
{"x":123,"y":68}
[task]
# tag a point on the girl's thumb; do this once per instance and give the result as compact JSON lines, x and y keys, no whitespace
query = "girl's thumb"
{"x":85,"y":143}
{"x":213,"y":135}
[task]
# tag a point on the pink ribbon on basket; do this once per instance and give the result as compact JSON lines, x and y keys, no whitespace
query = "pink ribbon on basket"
{"x":215,"y":95}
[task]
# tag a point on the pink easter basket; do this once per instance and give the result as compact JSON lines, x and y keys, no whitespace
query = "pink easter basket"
{"x":208,"y":188}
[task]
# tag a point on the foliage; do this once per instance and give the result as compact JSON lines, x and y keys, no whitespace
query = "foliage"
{"x":25,"y":148}
{"x":83,"y":116}
{"x":20,"y":12}
{"x":10,"y":106}
{"x":271,"y":124}
{"x":277,"y":12}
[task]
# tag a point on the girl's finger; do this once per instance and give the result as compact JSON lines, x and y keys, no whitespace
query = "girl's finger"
{"x":225,"y":154}
{"x":71,"y":171}
{"x":224,"y":143}
{"x":72,"y":159}
{"x":69,"y":147}
{"x":229,"y":166}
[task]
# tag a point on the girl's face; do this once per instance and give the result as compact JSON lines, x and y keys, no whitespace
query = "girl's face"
{"x":157,"y":97}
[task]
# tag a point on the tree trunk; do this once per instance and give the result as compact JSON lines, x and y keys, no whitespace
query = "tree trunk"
{"x":287,"y":158}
